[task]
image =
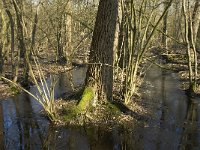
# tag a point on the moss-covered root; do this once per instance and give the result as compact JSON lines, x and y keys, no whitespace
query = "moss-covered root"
{"x":85,"y":108}
{"x":84,"y":104}
{"x":86,"y":101}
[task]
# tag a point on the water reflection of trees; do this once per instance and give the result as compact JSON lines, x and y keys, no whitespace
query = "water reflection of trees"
{"x":1,"y":127}
{"x":94,"y":138}
{"x":190,"y":135}
{"x":24,"y":131}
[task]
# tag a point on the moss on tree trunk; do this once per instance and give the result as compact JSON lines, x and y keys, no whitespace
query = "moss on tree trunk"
{"x":86,"y":101}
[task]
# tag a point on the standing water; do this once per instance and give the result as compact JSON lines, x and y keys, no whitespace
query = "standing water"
{"x":175,"y":124}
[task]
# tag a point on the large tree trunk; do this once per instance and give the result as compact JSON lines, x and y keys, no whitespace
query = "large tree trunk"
{"x":104,"y":43}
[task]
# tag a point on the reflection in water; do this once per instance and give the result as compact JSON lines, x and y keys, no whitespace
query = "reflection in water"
{"x":191,"y":136}
{"x":1,"y":127}
{"x":175,"y":125}
{"x":91,"y":138}
{"x":21,"y":127}
{"x":24,"y":126}
{"x":168,"y":127}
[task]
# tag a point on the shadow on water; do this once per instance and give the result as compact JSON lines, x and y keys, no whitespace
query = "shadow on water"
{"x":175,"y":124}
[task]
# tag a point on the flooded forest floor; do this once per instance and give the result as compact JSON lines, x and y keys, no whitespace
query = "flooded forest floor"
{"x":175,"y":60}
{"x":161,"y":108}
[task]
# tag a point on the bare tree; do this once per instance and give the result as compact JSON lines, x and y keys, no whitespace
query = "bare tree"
{"x":12,"y":36}
{"x":190,"y":37}
{"x":164,"y":37}
{"x":196,"y":20}
{"x":3,"y":27}
{"x":138,"y":34}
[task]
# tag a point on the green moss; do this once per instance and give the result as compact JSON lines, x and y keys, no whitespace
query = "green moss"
{"x":14,"y":90}
{"x":69,"y":117}
{"x":86,"y":100}
{"x":69,"y":114}
{"x":112,"y":108}
{"x":84,"y":111}
{"x":74,"y":113}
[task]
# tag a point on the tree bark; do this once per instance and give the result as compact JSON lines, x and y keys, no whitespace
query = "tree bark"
{"x":164,"y":37}
{"x":24,"y":52}
{"x":196,"y":20}
{"x":192,"y":25}
{"x":104,"y":43}
{"x":1,"y":59}
{"x":12,"y":36}
{"x":186,"y":18}
{"x":68,"y":35}
{"x":20,"y":32}
{"x":3,"y":27}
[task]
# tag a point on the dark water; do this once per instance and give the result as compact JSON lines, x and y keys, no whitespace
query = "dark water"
{"x":175,"y":124}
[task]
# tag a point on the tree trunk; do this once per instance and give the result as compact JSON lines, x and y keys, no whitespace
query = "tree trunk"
{"x":34,"y":31}
{"x":1,"y":59}
{"x":20,"y":32}
{"x":186,"y":21}
{"x":3,"y":28}
{"x":12,"y":36}
{"x":104,"y":43}
{"x":192,"y":26}
{"x":24,"y":53}
{"x":61,"y":57}
{"x":68,"y":35}
{"x":176,"y":22}
{"x":164,"y":37}
{"x":196,"y":20}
